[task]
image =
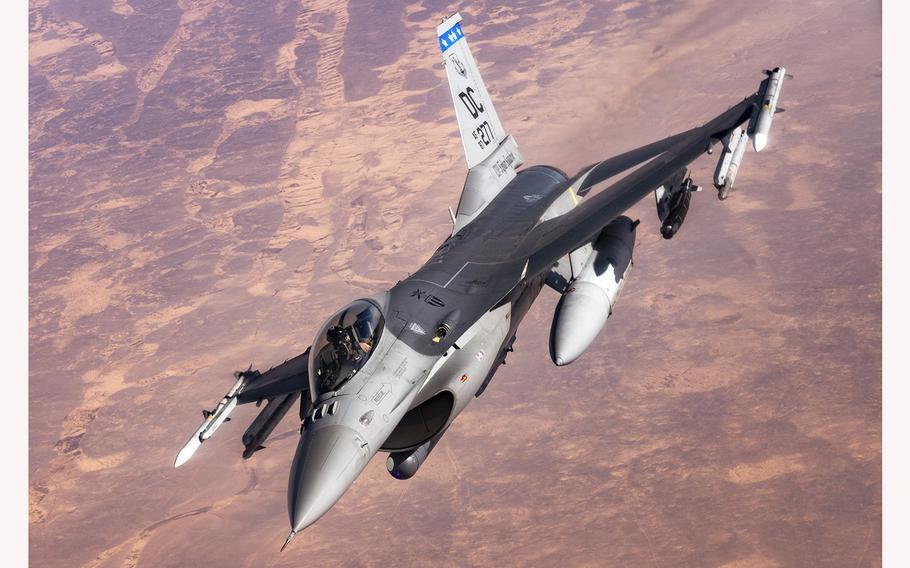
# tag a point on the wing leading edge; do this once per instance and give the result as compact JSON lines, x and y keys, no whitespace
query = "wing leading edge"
{"x":554,"y":238}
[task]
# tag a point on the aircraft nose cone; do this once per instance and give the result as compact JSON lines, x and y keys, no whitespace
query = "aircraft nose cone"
{"x":327,"y":461}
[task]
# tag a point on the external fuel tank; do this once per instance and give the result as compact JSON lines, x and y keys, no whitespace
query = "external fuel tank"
{"x":589,"y":299}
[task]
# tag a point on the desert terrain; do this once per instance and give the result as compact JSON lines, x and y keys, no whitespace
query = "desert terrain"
{"x":210,"y":180}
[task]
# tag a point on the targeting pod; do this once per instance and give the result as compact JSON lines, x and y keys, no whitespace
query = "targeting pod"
{"x":403,"y":465}
{"x":257,"y":433}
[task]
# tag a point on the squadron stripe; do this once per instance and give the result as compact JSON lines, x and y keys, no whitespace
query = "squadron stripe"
{"x":450,"y":37}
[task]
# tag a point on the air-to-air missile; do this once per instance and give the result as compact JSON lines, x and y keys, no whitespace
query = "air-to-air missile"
{"x":730,"y":159}
{"x":764,"y":114}
{"x":213,"y":420}
{"x":723,"y":181}
{"x":759,"y":126}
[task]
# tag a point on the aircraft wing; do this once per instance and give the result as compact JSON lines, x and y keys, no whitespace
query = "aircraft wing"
{"x":289,"y":377}
{"x":554,"y":238}
{"x":280,"y":386}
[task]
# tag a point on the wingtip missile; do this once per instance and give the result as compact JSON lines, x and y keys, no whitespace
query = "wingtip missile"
{"x":760,"y":125}
{"x":212,"y":420}
{"x":187,"y":451}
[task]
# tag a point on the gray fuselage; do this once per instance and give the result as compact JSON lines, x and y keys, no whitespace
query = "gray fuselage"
{"x":446,"y":329}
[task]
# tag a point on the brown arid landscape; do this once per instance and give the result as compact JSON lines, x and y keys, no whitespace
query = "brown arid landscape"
{"x":209,"y":180}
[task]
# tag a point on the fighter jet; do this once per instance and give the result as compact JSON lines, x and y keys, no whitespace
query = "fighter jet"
{"x":391,"y":372}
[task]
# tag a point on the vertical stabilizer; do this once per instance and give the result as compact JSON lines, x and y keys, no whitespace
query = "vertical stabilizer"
{"x":481,"y":131}
{"x":492,"y":155}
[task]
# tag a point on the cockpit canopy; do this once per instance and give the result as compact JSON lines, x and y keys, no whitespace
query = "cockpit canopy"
{"x":343,"y":346}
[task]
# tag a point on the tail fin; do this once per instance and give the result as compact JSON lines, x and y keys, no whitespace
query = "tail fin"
{"x":481,"y":131}
{"x":492,"y":154}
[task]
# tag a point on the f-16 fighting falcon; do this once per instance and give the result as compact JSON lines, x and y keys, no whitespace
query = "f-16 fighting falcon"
{"x":392,"y":371}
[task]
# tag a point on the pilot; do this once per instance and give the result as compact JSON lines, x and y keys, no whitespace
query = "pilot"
{"x":363,"y":332}
{"x":340,"y":340}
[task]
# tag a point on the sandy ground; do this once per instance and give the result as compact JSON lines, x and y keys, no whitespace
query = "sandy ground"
{"x":208,"y":181}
